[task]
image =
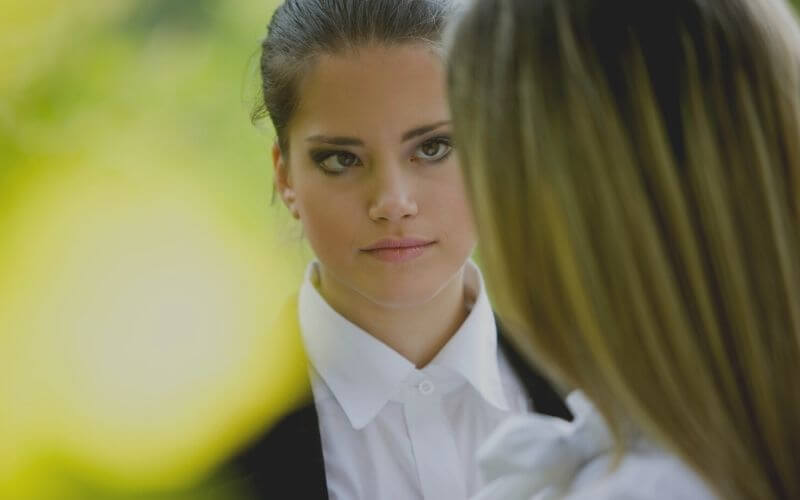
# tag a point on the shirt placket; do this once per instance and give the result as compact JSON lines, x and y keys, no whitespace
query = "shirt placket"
{"x":432,"y":442}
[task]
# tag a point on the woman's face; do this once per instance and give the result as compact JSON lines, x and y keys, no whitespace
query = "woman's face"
{"x":372,"y":175}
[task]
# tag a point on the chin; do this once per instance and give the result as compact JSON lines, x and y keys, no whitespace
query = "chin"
{"x":405,"y":295}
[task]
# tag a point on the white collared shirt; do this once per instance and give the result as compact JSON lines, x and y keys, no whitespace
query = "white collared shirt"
{"x":392,"y":431}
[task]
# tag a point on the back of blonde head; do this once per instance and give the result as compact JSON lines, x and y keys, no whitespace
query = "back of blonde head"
{"x":635,"y":172}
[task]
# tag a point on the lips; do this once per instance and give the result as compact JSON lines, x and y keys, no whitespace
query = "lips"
{"x":391,"y":243}
{"x":398,"y":250}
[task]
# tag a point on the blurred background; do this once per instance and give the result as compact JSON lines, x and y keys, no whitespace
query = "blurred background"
{"x":142,"y":261}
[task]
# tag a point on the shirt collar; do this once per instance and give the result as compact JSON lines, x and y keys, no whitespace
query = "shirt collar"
{"x":472,"y":351}
{"x":363,"y":373}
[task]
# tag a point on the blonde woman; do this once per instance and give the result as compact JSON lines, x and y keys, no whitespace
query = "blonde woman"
{"x":635,"y":173}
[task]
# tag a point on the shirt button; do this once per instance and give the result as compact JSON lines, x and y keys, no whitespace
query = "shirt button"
{"x":425,"y":387}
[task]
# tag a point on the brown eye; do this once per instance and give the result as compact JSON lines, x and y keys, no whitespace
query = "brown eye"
{"x":431,"y":148}
{"x":346,"y":159}
{"x":434,"y":149}
{"x":336,"y":162}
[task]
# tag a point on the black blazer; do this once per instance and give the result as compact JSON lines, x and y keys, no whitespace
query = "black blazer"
{"x":286,"y":460}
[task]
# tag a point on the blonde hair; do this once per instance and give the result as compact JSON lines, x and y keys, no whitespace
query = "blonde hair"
{"x":635,"y":173}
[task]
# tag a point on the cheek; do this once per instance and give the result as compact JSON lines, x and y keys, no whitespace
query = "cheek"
{"x":455,"y":204}
{"x":462,"y":214}
{"x":325,"y":220}
{"x":453,"y":215}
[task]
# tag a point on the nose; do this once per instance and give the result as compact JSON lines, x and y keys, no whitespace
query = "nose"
{"x":393,"y":197}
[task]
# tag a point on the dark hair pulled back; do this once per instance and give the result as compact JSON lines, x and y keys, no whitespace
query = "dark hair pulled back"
{"x":300,"y":30}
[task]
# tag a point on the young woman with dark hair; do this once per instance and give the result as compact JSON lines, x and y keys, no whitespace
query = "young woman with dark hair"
{"x":407,"y":370}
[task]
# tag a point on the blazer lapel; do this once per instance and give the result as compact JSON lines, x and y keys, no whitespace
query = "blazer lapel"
{"x":545,"y":398}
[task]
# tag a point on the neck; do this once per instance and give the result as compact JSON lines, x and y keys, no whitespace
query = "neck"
{"x":416,"y":332}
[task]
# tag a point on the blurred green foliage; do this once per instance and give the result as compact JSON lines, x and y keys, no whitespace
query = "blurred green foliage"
{"x":149,"y":84}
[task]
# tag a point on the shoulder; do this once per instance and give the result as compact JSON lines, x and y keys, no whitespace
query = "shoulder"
{"x":286,"y":443}
{"x":537,"y":457}
{"x":642,"y":476}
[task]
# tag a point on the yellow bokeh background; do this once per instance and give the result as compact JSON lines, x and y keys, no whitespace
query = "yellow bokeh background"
{"x":142,"y":263}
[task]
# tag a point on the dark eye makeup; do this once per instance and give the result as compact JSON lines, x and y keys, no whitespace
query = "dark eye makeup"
{"x":335,"y":161}
{"x":435,"y":149}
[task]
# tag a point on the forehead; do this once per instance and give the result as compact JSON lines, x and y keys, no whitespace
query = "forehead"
{"x":372,"y":90}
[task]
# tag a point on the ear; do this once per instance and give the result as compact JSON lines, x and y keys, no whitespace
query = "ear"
{"x":283,"y":181}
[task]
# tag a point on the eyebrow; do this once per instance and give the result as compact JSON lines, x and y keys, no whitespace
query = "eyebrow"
{"x":423,"y":130}
{"x":353,"y":141}
{"x":336,"y":141}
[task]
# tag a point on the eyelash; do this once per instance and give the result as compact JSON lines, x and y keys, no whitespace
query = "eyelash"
{"x":318,"y":157}
{"x":441,"y":139}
